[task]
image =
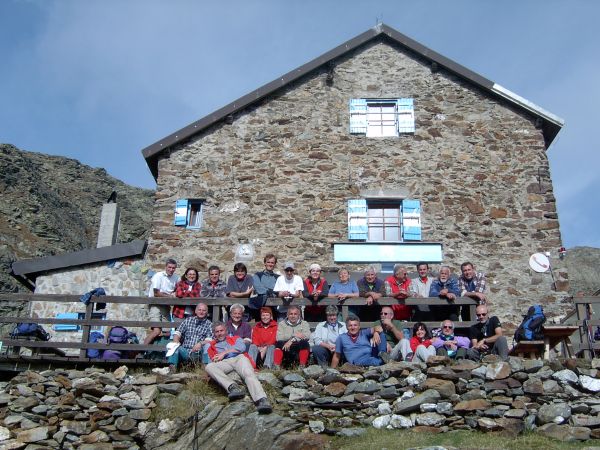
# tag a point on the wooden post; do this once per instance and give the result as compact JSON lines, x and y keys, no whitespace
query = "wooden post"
{"x":85,"y":336}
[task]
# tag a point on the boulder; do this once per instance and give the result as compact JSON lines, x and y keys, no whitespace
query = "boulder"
{"x":498,"y":371}
{"x":444,"y":387}
{"x":564,"y":433}
{"x":414,"y":403}
{"x":471,"y":405}
{"x":553,"y":413}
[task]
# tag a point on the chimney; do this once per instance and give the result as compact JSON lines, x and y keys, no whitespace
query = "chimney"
{"x":109,"y":222}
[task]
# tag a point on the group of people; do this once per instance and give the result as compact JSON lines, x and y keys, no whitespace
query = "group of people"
{"x":235,"y":345}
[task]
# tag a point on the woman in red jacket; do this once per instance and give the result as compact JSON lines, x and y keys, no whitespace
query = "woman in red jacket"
{"x":420,"y":343}
{"x":187,"y":287}
{"x":264,"y":337}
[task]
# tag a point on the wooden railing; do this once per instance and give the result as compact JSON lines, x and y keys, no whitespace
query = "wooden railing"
{"x":587,"y":325}
{"x":88,"y":321}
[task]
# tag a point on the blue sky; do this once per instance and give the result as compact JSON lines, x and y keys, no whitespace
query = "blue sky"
{"x":98,"y":80}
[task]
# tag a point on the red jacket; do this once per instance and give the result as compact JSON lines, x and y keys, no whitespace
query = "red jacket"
{"x":212,"y":349}
{"x":262,"y":335}
{"x":415,"y":342}
{"x":401,"y":312}
{"x":185,"y":290}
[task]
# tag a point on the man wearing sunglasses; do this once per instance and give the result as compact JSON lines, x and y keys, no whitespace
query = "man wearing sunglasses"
{"x":486,"y":336}
{"x":450,"y":345}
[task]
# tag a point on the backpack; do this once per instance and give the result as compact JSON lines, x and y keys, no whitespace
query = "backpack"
{"x":30,"y":330}
{"x":111,"y":354}
{"x":118,"y":335}
{"x":531,"y":327}
{"x":95,"y":336}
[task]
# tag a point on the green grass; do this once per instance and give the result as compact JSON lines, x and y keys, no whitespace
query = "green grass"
{"x":404,"y":439}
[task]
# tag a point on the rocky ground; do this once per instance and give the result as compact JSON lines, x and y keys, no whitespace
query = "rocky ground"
{"x":96,"y":409}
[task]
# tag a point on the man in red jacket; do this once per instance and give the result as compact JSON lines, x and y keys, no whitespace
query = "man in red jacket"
{"x":226,"y":354}
{"x":264,"y":338}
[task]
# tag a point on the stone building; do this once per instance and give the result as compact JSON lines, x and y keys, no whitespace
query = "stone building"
{"x":379,"y":151}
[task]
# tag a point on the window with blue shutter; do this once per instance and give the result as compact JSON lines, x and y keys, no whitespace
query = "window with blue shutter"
{"x":381,"y":220}
{"x":357,"y":220}
{"x":382,"y":117}
{"x":188,"y":213}
{"x":358,"y":116}
{"x":411,"y":220}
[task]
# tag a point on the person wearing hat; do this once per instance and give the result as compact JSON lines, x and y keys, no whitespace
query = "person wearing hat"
{"x":288,"y":288}
{"x":315,"y":289}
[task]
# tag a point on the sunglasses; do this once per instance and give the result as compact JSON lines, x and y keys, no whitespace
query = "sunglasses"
{"x":449,"y":327}
{"x":481,"y":315}
{"x":289,"y":270}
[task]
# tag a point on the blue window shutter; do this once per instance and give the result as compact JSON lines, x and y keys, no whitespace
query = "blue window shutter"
{"x":357,"y":220}
{"x":181,"y":212}
{"x":358,"y":116}
{"x":406,"y":115}
{"x":411,"y":220}
{"x":66,"y":326}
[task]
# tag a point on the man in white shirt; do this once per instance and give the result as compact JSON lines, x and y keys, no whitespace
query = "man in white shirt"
{"x":288,"y":288}
{"x":419,"y":287}
{"x":162,"y":285}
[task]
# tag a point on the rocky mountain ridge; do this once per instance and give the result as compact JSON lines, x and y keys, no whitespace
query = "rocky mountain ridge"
{"x":51,"y":205}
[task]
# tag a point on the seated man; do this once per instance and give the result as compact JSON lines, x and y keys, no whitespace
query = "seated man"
{"x":398,"y":345}
{"x":264,"y":282}
{"x":486,"y":336}
{"x":419,"y":288}
{"x":237,"y":326}
{"x":372,"y":289}
{"x":398,"y":286}
{"x":315,"y":289}
{"x":192,"y":334}
{"x":292,"y":338}
{"x":325,"y":336}
{"x":360,"y":347}
{"x":288,"y":288}
{"x":162,"y":285}
{"x":447,"y":344}
{"x":472,"y":284}
{"x":446,"y":288}
{"x":226,"y":354}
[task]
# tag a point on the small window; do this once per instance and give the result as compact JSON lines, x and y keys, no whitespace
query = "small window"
{"x":384,"y":220}
{"x":95,"y":316}
{"x":188,"y":213}
{"x":382,"y":117}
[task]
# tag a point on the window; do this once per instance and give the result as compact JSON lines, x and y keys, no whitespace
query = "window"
{"x":384,"y":220}
{"x":95,"y":316}
{"x":188,"y":213}
{"x":382,"y":117}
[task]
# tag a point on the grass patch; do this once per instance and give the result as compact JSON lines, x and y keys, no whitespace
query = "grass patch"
{"x":404,"y":439}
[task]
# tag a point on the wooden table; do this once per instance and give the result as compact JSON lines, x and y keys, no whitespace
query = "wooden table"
{"x":558,"y":334}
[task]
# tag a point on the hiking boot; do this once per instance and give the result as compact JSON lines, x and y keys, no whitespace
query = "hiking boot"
{"x":385,"y":357}
{"x":234,"y":392}
{"x":263,"y":406}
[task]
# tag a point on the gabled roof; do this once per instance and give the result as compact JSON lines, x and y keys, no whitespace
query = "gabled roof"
{"x":27,"y":270}
{"x":548,"y":122}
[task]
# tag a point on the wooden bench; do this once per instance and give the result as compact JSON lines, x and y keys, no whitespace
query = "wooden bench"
{"x":13,"y":346}
{"x":55,"y":350}
{"x":528,"y":349}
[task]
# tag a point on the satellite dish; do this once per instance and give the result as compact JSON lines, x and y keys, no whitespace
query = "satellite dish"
{"x":539,"y":262}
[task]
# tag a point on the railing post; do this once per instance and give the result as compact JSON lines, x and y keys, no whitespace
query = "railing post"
{"x":85,"y":336}
{"x":583,"y":326}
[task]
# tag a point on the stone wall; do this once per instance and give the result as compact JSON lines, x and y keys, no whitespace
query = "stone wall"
{"x":98,"y":409}
{"x":280,"y":175}
{"x":127,"y":277}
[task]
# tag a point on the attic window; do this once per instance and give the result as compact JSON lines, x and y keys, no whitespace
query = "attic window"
{"x":382,"y":117}
{"x":188,"y":213}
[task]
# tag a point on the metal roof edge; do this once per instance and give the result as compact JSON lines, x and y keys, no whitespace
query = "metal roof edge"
{"x":82,"y":257}
{"x":526,"y":104}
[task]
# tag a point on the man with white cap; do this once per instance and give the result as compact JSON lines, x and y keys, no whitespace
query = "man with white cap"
{"x":315,"y":289}
{"x":288,"y":288}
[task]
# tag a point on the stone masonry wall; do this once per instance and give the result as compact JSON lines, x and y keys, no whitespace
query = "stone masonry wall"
{"x":280,"y":176}
{"x":121,"y":278}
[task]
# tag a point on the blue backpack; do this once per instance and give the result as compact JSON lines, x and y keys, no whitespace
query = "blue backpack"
{"x":95,"y":336}
{"x":30,"y":330}
{"x":531,"y":327}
